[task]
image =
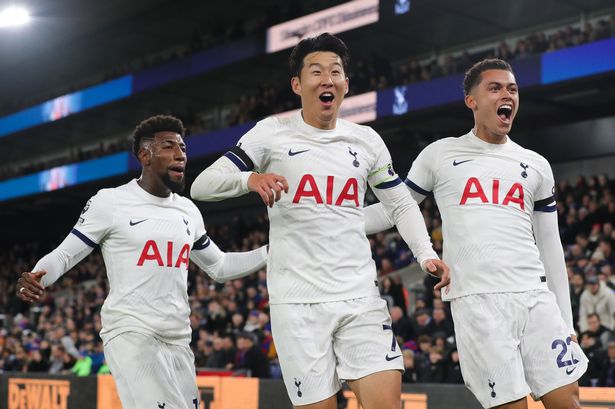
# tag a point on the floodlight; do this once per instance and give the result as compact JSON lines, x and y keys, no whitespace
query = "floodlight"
{"x":13,"y":16}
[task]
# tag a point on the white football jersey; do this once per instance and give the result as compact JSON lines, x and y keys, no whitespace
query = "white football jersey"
{"x":318,"y":249}
{"x":486,"y":194}
{"x":145,"y":242}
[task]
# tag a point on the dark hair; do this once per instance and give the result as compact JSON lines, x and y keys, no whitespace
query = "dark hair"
{"x":323,"y":42}
{"x":158,"y":123}
{"x":473,"y":75}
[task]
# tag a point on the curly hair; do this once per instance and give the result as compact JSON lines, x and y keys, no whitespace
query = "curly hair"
{"x":158,"y":123}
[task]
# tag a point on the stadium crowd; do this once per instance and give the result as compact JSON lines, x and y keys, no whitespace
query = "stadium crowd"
{"x":367,"y":73}
{"x":230,"y":322}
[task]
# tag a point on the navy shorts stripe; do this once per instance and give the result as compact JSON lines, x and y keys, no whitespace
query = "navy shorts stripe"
{"x":389,"y":184}
{"x":84,"y":238}
{"x":416,"y":188}
{"x":201,"y":243}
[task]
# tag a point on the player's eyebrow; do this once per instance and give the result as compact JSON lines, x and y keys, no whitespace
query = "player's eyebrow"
{"x":501,"y":84}
{"x":319,"y":65}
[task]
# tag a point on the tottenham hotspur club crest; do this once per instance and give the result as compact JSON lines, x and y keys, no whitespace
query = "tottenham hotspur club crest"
{"x":524,"y":166}
{"x":298,"y":385}
{"x":355,"y":162}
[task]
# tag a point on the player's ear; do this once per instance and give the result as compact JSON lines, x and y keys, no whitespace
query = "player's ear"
{"x":295,"y":84}
{"x":470,"y":102}
{"x":347,"y":86}
{"x":145,"y":156}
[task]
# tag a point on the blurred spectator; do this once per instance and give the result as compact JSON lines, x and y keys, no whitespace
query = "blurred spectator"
{"x":442,"y":323}
{"x":431,"y":367}
{"x":577,"y":285}
{"x":401,"y":324}
{"x":601,"y":333}
{"x":250,"y":357}
{"x":60,"y":361}
{"x":597,"y":298}
{"x":453,"y":368}
{"x":423,"y":323}
{"x":594,"y":353}
{"x":409,"y":376}
{"x":607,"y":366}
{"x":36,"y":362}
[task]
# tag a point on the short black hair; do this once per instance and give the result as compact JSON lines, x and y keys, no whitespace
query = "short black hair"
{"x":473,"y":75}
{"x":322,"y":42}
{"x":150,"y":126}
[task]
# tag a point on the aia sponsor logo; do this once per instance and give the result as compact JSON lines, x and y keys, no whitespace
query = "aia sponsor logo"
{"x":496,"y":193}
{"x":151,"y":253}
{"x":309,"y":189}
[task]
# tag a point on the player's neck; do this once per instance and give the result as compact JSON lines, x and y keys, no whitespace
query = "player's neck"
{"x":484,"y":134}
{"x":150,"y":186}
{"x":314,"y":121}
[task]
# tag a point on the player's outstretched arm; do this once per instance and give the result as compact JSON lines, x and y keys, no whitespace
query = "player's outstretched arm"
{"x":406,"y":215}
{"x":51,"y":267}
{"x":376,"y":219}
{"x":227,"y":266}
{"x":552,"y":256}
{"x":223,"y":180}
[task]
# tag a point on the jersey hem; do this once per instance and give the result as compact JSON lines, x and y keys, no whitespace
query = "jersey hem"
{"x":109,"y":335}
{"x":324,"y":300}
{"x":522,"y":290}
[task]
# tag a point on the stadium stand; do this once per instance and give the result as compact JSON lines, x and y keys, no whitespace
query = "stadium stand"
{"x":62,"y":331}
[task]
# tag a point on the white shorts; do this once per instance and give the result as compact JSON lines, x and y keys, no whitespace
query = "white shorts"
{"x":323,"y":343}
{"x":151,"y":374}
{"x":511,"y":344}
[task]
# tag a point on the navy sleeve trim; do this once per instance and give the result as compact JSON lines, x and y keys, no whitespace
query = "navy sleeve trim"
{"x":84,"y":238}
{"x":240,"y":159}
{"x":545,"y":205}
{"x":201,"y":243}
{"x":416,"y":188}
{"x":389,"y":184}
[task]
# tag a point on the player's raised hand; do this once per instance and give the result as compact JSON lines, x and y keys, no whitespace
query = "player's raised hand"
{"x":29,"y":287}
{"x":439,"y":269}
{"x":269,"y":186}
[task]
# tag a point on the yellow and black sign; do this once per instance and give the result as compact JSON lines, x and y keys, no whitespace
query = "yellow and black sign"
{"x":38,"y":393}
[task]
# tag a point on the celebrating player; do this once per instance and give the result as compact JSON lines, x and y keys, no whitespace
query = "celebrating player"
{"x":328,"y":321}
{"x":147,"y":234}
{"x":509,"y":294}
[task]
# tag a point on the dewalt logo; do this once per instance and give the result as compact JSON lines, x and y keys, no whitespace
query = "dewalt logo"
{"x":38,"y":393}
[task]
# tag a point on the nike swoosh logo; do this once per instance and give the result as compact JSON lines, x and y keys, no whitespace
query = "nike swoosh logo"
{"x":291,"y":153}
{"x":455,"y":163}
{"x":569,"y":371}
{"x":137,"y":222}
{"x":390,"y":358}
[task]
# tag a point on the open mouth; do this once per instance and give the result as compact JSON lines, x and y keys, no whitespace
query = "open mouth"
{"x":326,"y":97}
{"x":177,"y":170}
{"x":504,"y":112}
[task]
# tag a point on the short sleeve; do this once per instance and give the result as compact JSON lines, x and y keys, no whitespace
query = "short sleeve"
{"x":382,"y":175}
{"x":252,"y":150}
{"x":544,"y":197}
{"x":421,"y":177}
{"x":95,"y":219}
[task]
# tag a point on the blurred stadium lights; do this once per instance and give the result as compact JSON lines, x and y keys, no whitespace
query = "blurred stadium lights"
{"x":13,"y":16}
